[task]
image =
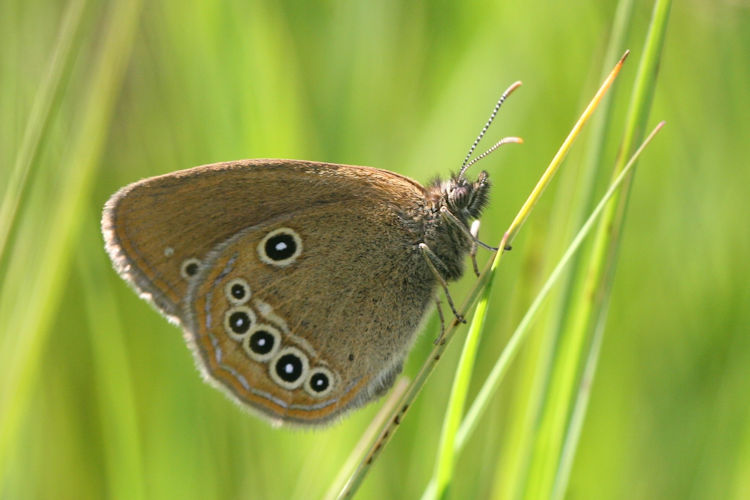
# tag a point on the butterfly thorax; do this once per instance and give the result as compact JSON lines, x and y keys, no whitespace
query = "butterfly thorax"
{"x":464,"y":200}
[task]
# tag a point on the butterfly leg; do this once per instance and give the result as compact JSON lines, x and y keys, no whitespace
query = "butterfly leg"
{"x":473,"y":253}
{"x":441,"y":338}
{"x":431,"y":259}
{"x":446,"y":214}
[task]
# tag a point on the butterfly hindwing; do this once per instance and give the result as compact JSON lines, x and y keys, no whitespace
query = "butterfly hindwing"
{"x":306,"y":315}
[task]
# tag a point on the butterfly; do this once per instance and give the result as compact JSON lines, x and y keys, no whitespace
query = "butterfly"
{"x":299,"y":285}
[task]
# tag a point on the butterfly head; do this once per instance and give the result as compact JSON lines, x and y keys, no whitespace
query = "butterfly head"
{"x":464,"y":198}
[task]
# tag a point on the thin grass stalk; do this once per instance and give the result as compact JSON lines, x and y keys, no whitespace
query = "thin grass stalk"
{"x":446,"y":456}
{"x":573,"y":432}
{"x":454,"y":410}
{"x":575,"y":340}
{"x":481,"y":402}
{"x":43,"y":284}
{"x":571,"y":215}
{"x":111,"y":370}
{"x":554,"y":165}
{"x":557,"y":161}
{"x":367,"y":437}
{"x":387,"y":432}
{"x":491,"y":384}
{"x":41,"y":116}
{"x":645,"y":84}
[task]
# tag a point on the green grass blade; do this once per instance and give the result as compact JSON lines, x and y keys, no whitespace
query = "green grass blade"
{"x":548,"y":465}
{"x":394,"y":419}
{"x":578,"y":414}
{"x":42,"y":285}
{"x":48,"y":97}
{"x":645,"y":84}
{"x":446,"y":455}
{"x":493,"y":380}
{"x":515,"y":226}
{"x":574,"y":201}
{"x":111,"y":371}
{"x":560,"y":155}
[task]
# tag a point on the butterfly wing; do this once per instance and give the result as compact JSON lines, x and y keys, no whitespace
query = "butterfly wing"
{"x":158,"y":230}
{"x":308,"y":286}
{"x":318,"y":331}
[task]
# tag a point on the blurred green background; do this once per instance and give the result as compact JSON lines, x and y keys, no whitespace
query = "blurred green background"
{"x":100,"y":397}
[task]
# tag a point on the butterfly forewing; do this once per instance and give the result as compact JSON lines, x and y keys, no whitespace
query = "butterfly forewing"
{"x":158,"y":230}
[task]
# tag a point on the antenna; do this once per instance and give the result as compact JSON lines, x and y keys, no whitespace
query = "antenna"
{"x":500,"y":101}
{"x":504,"y":140}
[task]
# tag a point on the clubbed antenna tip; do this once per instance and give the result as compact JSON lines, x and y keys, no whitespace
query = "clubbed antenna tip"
{"x":466,"y":164}
{"x":504,"y":140}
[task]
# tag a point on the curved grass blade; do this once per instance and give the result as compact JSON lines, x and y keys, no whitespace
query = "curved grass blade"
{"x":40,"y":117}
{"x":604,"y":258}
{"x":389,"y":429}
{"x":491,"y":384}
{"x":41,"y":286}
{"x":119,"y":421}
{"x":573,"y":204}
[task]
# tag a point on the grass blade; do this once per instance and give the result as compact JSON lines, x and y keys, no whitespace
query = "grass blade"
{"x":118,"y":416}
{"x":455,"y":408}
{"x":491,"y":384}
{"x":40,"y":117}
{"x":547,"y":466}
{"x":390,"y":427}
{"x":574,"y":201}
{"x":501,"y":365}
{"x":637,"y":117}
{"x":41,"y":286}
{"x":554,"y":165}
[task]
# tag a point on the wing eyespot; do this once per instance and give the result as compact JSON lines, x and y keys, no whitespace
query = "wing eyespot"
{"x":320,"y":382}
{"x":289,"y":368}
{"x":237,"y":291}
{"x":280,"y":247}
{"x":262,"y":342}
{"x":190,"y":267}
{"x":238,"y":321}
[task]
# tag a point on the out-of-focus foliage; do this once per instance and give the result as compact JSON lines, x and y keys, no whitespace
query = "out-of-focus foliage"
{"x":100,"y":395}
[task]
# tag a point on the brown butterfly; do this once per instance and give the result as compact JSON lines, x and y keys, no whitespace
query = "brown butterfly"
{"x":299,"y":285}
